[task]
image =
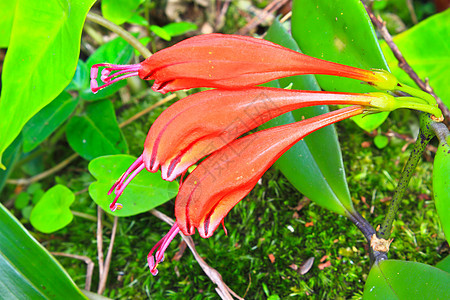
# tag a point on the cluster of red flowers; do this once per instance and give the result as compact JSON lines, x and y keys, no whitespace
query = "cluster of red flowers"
{"x":211,"y":122}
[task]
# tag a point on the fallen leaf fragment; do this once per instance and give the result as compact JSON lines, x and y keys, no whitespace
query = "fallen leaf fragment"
{"x":324,"y":265}
{"x":306,"y":266}
{"x":271,"y":258}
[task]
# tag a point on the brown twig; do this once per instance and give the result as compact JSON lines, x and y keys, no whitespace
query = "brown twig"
{"x":402,"y":63}
{"x":102,"y":284}
{"x":222,"y":289}
{"x":272,"y":7}
{"x":87,"y":260}
{"x":220,"y":19}
{"x":100,"y":242}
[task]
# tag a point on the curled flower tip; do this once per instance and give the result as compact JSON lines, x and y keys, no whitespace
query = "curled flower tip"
{"x":115,"y":206}
{"x":120,"y":185}
{"x":160,"y":248}
{"x":119,"y":72}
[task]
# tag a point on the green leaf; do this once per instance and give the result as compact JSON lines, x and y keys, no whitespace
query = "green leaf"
{"x":52,"y":212}
{"x":118,"y":52}
{"x":339,"y":31}
{"x":146,"y":191}
{"x":80,"y":80}
{"x":396,"y":279}
{"x":381,"y":141}
{"x":441,"y":184}
{"x":119,"y":11}
{"x":444,"y":264}
{"x":425,"y":47}
{"x":46,"y":121}
{"x":41,"y":59}
{"x":314,"y":165}
{"x":97,"y":132}
{"x":161,"y":32}
{"x":180,"y":28}
{"x":27,"y":270}
{"x":7,"y":11}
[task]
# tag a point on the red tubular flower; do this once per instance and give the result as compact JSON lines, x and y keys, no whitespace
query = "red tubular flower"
{"x":229,"y":62}
{"x":229,"y":174}
{"x":204,"y":122}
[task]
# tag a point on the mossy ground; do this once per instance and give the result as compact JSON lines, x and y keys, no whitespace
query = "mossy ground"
{"x":265,"y":224}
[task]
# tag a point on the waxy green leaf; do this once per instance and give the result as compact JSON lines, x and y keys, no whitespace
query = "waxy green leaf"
{"x":339,"y":31}
{"x":119,"y":11}
{"x":441,"y":184}
{"x":40,"y":62}
{"x":314,"y":165}
{"x":146,"y":191}
{"x":7,"y":11}
{"x":12,"y":154}
{"x":52,"y":212}
{"x":27,"y":270}
{"x":46,"y":121}
{"x":96,"y":133}
{"x":118,"y":52}
{"x":426,"y":48}
{"x":396,"y":279}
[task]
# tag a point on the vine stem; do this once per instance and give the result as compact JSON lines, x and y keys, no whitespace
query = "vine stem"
{"x":425,"y":135}
{"x":134,"y":42}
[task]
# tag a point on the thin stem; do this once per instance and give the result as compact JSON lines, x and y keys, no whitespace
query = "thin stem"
{"x":90,"y":266}
{"x":362,"y":225}
{"x":134,"y":42}
{"x":90,"y":218}
{"x":58,"y":167}
{"x":402,"y":63}
{"x":425,"y":135}
{"x":441,"y":131}
{"x":100,"y":243}
{"x":102,"y":284}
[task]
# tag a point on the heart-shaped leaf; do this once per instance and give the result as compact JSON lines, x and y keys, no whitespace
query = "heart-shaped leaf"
{"x":97,"y":132}
{"x":146,"y":191}
{"x":396,"y":279}
{"x":339,"y":31}
{"x":52,"y":212}
{"x":41,"y":59}
{"x":27,"y":270}
{"x":80,"y":80}
{"x":46,"y":121}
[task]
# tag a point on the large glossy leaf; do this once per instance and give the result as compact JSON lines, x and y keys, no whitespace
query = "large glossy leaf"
{"x":444,"y":264}
{"x":52,"y":212}
{"x":339,"y":31}
{"x":46,"y":121}
{"x":27,"y":270}
{"x":396,"y":279}
{"x":119,"y":11}
{"x":426,"y":48}
{"x":314,"y":165}
{"x":96,"y":133}
{"x":117,"y":51}
{"x":146,"y":191}
{"x":7,"y":10}
{"x":441,"y":184}
{"x":41,"y":59}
